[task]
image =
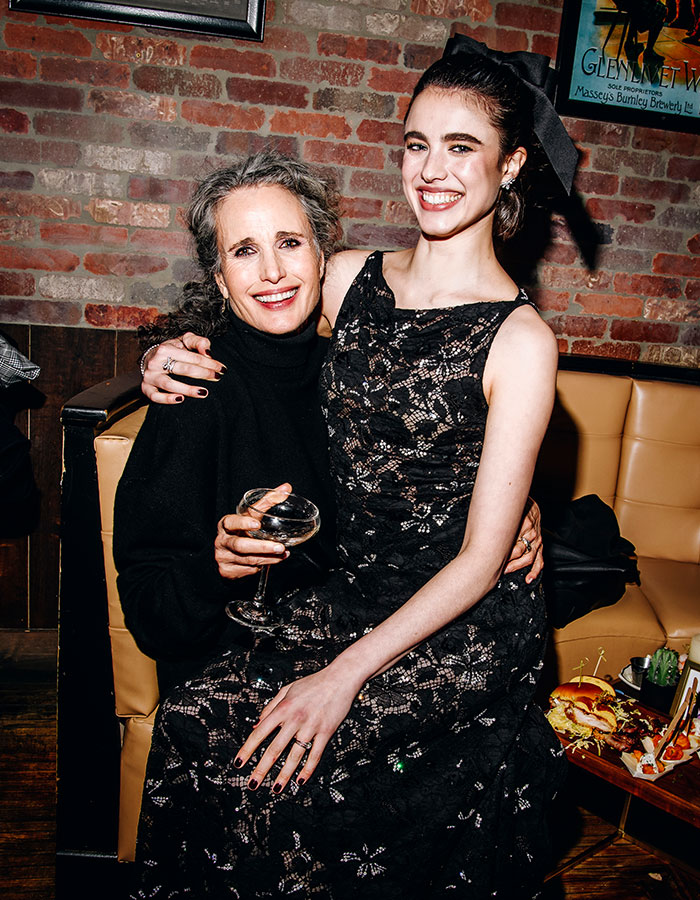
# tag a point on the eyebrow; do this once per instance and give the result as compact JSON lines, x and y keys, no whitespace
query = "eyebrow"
{"x":451,"y":136}
{"x":279,"y":236}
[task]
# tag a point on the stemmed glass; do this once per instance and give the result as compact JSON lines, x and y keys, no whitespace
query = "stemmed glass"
{"x":288,"y":519}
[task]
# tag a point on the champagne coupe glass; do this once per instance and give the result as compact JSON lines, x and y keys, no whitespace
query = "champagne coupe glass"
{"x":288,"y":519}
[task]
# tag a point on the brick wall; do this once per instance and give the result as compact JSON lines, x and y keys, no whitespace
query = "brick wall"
{"x":103,"y":129}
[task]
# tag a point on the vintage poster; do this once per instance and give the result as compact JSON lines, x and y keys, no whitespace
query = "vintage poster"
{"x":632,"y":61}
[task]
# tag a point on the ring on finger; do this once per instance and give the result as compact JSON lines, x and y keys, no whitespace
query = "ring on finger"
{"x":528,"y":545}
{"x":168,"y":365}
{"x":307,"y":745}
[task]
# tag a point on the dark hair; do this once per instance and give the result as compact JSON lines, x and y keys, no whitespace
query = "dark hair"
{"x":499,"y":92}
{"x":203,"y":309}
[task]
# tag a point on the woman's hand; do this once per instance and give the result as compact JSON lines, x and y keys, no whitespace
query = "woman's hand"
{"x":527,"y":550}
{"x":237,"y":554}
{"x":187,"y":355}
{"x":307,"y":711}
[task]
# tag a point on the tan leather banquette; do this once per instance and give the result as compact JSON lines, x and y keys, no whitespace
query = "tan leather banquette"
{"x":634,"y":442}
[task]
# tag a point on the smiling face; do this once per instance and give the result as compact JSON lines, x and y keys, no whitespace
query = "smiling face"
{"x":452,"y":166}
{"x":270,"y":266}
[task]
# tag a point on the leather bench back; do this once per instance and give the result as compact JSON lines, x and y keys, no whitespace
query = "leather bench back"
{"x":135,"y":682}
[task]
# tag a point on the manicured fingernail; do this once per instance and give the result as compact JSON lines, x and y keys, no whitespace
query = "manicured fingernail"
{"x":277,"y":788}
{"x":238,"y":762}
{"x":208,"y":353}
{"x":179,"y":399}
{"x":301,"y":780}
{"x":217,"y":375}
{"x":223,"y":368}
{"x":252,"y":784}
{"x":203,"y":392}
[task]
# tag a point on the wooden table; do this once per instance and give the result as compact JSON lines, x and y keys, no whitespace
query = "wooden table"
{"x":676,"y":793}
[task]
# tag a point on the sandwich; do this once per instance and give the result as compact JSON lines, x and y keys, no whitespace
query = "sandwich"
{"x":580,"y":708}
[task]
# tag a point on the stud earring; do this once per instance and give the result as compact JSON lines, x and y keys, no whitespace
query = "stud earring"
{"x":507,"y":185}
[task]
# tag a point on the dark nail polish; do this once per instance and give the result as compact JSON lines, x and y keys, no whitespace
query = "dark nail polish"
{"x":277,"y":788}
{"x":179,"y":399}
{"x":202,"y":392}
{"x":238,"y":762}
{"x":208,"y":353}
{"x":217,"y":375}
{"x":301,"y":781}
{"x":223,"y":368}
{"x":252,"y":784}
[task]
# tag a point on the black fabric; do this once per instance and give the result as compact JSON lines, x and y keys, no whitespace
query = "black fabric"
{"x":19,"y":495}
{"x":436,"y":784}
{"x":191,"y":462}
{"x":587,"y":562}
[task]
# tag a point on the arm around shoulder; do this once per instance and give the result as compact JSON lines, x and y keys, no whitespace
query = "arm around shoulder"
{"x":341,"y":270}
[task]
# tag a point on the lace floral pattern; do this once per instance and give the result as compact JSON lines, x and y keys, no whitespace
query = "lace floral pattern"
{"x":436,"y":784}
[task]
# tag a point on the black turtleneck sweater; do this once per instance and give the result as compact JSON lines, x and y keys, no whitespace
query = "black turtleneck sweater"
{"x":261,"y":425}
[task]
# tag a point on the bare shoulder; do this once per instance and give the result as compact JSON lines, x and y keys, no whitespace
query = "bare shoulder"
{"x":341,"y":271}
{"x":524,"y":348}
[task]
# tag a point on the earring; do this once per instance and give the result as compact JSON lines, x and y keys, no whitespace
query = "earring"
{"x":507,"y":185}
{"x":224,"y":305}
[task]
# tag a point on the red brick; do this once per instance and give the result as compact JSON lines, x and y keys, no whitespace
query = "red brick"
{"x":47,"y":40}
{"x":606,"y":349}
{"x":192,"y":165}
{"x":167,"y":81}
{"x":476,"y":10}
{"x":310,"y":124}
{"x":60,"y":153}
{"x":373,"y":132}
{"x":659,"y":141}
{"x":672,"y":264}
{"x":16,"y":181}
{"x":692,"y":290}
{"x":366,"y":102}
{"x":175,"y":243}
{"x":376,"y":185}
{"x":690,"y":337}
{"x":45,"y":312}
{"x":48,"y":260}
{"x":596,"y":183}
{"x":222,"y":115}
{"x":643,"y":332}
{"x":563,"y":346}
{"x":17,"y":65}
{"x":16,"y":284}
{"x":159,"y":190}
{"x":545,"y":44}
{"x":612,"y":159}
{"x":572,"y":278}
{"x":399,"y":213}
{"x":528,"y":17}
{"x":120,"y":212}
{"x":13,"y":229}
{"x":578,"y":326}
{"x":122,"y":317}
{"x":655,"y":189}
{"x":87,"y":24}
{"x":393,"y":80}
{"x":311,"y":71}
{"x":647,"y":238}
{"x":386,"y":237}
{"x":81,"y":128}
{"x":671,"y":310}
{"x":174,"y":137}
{"x":134,"y":106}
{"x":344,"y":155}
{"x":608,"y":210}
{"x":349,"y":47}
{"x":268,"y":93}
{"x":507,"y":40}
{"x":419,"y":56}
{"x":610,"y":305}
{"x":557,"y":301}
{"x":647,"y":285}
{"x":563,"y":254}
{"x":239,"y":143}
{"x":14,"y":121}
{"x":285,"y":39}
{"x":593,"y":132}
{"x":233,"y":60}
{"x":128,"y":264}
{"x":20,"y":93}
{"x":693,"y":244}
{"x":42,"y":207}
{"x":75,"y":234}
{"x":84,"y":71}
{"x":685,"y":217}
{"x":688,"y":169}
{"x":144,"y":50}
{"x":360,"y":208}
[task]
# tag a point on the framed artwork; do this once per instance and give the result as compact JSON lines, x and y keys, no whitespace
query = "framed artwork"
{"x":688,"y":682}
{"x":228,"y":18}
{"x":633,"y":62}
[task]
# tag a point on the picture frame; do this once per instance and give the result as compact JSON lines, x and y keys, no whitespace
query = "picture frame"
{"x":226,"y":18}
{"x":689,"y":680}
{"x":609,"y":72}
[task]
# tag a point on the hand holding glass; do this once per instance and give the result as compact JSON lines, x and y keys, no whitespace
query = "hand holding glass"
{"x":285,"y":518}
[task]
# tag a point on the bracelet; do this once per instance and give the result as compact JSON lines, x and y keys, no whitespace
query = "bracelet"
{"x":142,"y":361}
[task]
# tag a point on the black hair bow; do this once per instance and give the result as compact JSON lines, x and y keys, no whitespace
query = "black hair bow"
{"x":534,"y":71}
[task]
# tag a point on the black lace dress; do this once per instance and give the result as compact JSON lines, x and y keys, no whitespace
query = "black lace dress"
{"x":436,"y":784}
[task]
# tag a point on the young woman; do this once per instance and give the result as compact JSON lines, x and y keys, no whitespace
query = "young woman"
{"x":385,"y":744}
